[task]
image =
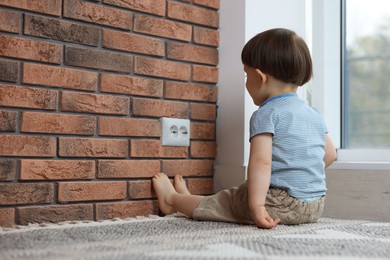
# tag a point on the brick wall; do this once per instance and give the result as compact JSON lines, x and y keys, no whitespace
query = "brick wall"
{"x":82,"y":87}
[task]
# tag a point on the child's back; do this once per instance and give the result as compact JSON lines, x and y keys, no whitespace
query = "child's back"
{"x":298,"y":145}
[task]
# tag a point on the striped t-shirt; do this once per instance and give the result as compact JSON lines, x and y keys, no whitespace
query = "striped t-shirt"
{"x":298,"y":145}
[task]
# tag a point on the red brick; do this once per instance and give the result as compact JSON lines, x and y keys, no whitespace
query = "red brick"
{"x":156,"y":7}
{"x":9,"y":70}
{"x":94,"y":103}
{"x":188,"y":167}
{"x":52,"y":7}
{"x":203,"y":111}
{"x":204,"y":74}
{"x":162,"y":27}
{"x":193,"y":14}
{"x":200,"y":186}
{"x":8,"y":121}
{"x":28,"y":49}
{"x":162,"y":68}
{"x":60,"y":30}
{"x":26,"y":193}
{"x":7,"y":170}
{"x":131,"y":85}
{"x":133,"y":43}
{"x":202,"y":130}
{"x":114,"y":126}
{"x":190,"y":91}
{"x":126,"y":209}
{"x":54,"y":214}
{"x":34,"y":146}
{"x":140,"y":190}
{"x":153,"y":148}
{"x":128,"y":168}
{"x":209,"y":3}
{"x":9,"y":21}
{"x":56,"y":169}
{"x":97,"y":14}
{"x":7,"y":217}
{"x":27,"y":97}
{"x":97,"y":59}
{"x":159,"y":108}
{"x":188,"y":52}
{"x":91,"y":191}
{"x":93,"y":147}
{"x":206,"y":36}
{"x":199,"y":149}
{"x":35,"y":122}
{"x":59,"y":77}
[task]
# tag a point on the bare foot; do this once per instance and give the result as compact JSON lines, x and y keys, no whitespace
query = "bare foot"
{"x":163,"y":188}
{"x":180,"y":185}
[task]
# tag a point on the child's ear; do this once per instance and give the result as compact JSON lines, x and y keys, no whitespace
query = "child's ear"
{"x":261,"y":76}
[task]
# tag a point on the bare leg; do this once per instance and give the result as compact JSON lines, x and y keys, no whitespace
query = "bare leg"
{"x":170,"y":201}
{"x":185,"y":203}
{"x":180,"y":185}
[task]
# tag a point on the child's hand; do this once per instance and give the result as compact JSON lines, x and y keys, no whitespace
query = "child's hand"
{"x":262,"y":219}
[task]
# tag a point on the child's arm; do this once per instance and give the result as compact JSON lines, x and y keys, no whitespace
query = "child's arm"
{"x":259,"y":178}
{"x":330,"y":151}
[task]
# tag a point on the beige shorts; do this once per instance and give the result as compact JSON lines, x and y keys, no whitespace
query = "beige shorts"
{"x":232,"y":206}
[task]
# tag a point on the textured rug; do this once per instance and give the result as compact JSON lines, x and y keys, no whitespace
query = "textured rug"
{"x":180,"y":238}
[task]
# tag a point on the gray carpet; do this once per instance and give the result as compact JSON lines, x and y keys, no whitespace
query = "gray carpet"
{"x":180,"y":238}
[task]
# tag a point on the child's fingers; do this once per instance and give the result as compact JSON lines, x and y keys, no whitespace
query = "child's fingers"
{"x":273,"y":222}
{"x":266,"y":223}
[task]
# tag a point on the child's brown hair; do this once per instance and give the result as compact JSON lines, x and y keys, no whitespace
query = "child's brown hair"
{"x":280,"y":53}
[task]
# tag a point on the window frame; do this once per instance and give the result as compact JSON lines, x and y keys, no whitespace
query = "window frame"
{"x":328,"y":85}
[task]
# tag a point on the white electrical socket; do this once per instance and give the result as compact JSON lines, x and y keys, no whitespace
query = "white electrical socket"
{"x":175,"y":132}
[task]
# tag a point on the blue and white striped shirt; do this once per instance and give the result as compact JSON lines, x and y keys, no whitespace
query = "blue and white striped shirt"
{"x":298,"y":145}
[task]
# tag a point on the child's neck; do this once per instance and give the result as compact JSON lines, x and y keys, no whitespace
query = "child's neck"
{"x":277,"y":87}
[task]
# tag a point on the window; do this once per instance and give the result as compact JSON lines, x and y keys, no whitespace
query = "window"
{"x":344,"y":113}
{"x":366,"y":75}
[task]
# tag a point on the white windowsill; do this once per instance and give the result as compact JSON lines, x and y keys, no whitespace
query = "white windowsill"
{"x":361,"y":159}
{"x":351,"y":165}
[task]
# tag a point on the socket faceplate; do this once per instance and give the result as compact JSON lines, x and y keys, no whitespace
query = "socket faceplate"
{"x":175,"y":132}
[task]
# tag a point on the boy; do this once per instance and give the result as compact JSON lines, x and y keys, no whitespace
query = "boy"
{"x":290,"y":147}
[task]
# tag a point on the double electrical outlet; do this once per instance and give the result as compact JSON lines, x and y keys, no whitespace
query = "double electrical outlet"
{"x":175,"y":132}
